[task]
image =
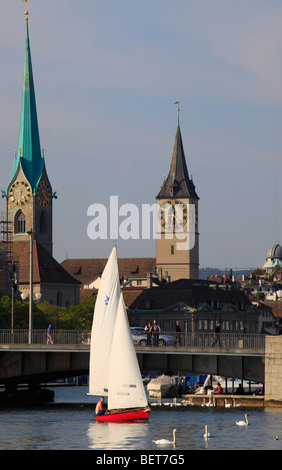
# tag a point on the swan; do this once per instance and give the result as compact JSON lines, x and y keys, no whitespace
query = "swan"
{"x":207,"y":434}
{"x":227,"y":405}
{"x":166,"y":441}
{"x":243,"y":423}
{"x":210,"y":404}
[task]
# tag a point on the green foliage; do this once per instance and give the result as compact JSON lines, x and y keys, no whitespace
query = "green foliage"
{"x":75,"y":317}
{"x":20,"y":312}
{"x":260,"y":295}
{"x":80,"y":316}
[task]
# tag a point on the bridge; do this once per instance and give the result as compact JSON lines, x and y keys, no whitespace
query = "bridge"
{"x":27,"y":358}
{"x":239,"y":356}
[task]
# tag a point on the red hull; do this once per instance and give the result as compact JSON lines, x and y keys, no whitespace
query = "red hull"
{"x":131,"y":414}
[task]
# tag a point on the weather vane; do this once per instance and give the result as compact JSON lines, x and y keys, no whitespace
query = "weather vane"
{"x":178,"y":109}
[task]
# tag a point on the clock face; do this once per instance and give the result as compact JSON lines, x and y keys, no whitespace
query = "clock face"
{"x":43,"y":194}
{"x":173,"y":215}
{"x":20,"y":193}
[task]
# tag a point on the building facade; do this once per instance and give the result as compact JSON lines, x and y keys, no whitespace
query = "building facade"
{"x":198,"y":306}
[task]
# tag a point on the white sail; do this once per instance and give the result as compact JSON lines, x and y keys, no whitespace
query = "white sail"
{"x":126,"y":389}
{"x":103,"y":327}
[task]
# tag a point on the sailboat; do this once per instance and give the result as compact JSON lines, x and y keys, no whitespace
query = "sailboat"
{"x":114,"y":370}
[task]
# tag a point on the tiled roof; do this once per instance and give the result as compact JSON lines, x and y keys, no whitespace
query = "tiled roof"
{"x":86,"y":270}
{"x":131,"y":295}
{"x":45,"y":268}
{"x":188,"y":292}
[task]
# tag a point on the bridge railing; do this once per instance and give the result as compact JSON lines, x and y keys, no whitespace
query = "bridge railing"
{"x":200,"y":340}
{"x":62,"y":337}
{"x":225,"y":340}
{"x":186,"y":339}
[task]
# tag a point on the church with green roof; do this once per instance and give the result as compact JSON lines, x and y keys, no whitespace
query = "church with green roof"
{"x":29,"y":197}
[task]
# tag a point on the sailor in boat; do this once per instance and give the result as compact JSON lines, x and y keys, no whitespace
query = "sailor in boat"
{"x":100,"y":410}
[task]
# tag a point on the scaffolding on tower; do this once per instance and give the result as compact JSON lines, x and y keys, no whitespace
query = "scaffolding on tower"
{"x":7,"y":267}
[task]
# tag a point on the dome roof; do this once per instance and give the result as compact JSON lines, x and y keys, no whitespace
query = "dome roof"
{"x":274,"y":252}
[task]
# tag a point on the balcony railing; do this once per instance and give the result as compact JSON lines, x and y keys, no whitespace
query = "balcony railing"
{"x":187,"y":340}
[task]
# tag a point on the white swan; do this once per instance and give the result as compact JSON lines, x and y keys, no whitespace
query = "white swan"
{"x":207,"y":434}
{"x":227,"y":405}
{"x":243,"y":423}
{"x":166,"y":441}
{"x":211,"y":402}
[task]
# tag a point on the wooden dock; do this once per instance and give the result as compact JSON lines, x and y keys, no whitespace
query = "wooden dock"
{"x":224,"y":401}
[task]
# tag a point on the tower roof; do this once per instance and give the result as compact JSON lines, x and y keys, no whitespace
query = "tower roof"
{"x":29,"y":150}
{"x":178,"y":183}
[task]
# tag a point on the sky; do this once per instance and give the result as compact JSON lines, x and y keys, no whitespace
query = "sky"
{"x":107,"y":74}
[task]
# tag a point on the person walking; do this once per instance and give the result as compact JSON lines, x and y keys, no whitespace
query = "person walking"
{"x":177,"y":338}
{"x":217,"y":335}
{"x":49,"y":334}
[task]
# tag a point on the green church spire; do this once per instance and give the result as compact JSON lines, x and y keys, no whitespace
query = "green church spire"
{"x":29,"y":150}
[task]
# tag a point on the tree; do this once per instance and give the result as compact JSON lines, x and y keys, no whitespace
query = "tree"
{"x":75,"y":317}
{"x":260,"y":295}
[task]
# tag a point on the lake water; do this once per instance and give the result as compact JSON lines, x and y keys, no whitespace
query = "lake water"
{"x":69,"y":424}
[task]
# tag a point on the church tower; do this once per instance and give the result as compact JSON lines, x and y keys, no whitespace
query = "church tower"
{"x":29,"y":193}
{"x":177,"y":244}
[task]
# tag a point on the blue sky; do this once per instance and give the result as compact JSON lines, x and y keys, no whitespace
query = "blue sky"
{"x":107,"y":74}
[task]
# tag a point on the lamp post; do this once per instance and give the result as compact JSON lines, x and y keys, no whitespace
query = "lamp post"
{"x":27,"y":298}
{"x":24,"y":296}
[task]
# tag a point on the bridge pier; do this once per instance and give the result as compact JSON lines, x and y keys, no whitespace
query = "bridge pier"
{"x":273,"y":368}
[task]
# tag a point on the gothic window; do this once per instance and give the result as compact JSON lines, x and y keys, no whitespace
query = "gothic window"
{"x":42,"y":223}
{"x":59,"y":299}
{"x":19,"y":222}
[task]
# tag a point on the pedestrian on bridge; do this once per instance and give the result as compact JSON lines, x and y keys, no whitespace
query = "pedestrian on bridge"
{"x":148,"y":329}
{"x":217,"y":335}
{"x":177,"y":339}
{"x":49,"y":334}
{"x":156,"y":331}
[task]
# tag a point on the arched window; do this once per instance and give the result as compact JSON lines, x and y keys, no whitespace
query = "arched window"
{"x":59,"y":299}
{"x":19,"y":223}
{"x":42,"y":224}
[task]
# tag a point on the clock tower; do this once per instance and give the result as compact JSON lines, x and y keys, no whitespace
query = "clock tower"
{"x":177,"y":244}
{"x":29,"y":193}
